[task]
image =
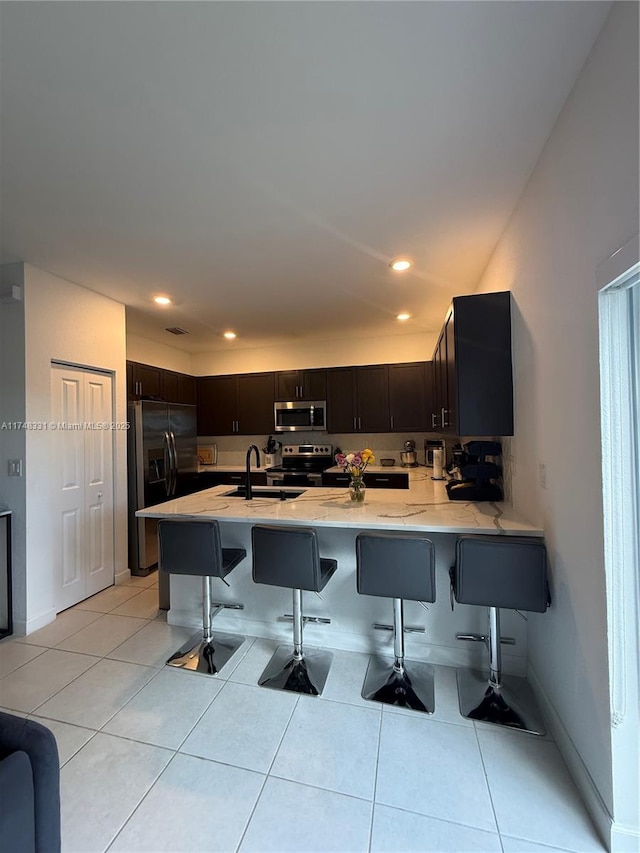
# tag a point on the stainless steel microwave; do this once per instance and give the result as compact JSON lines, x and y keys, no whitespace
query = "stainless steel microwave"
{"x":300,"y":416}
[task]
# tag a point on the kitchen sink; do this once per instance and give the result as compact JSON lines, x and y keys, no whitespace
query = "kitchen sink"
{"x":274,"y":492}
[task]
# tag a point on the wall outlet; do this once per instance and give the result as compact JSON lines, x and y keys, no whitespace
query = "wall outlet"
{"x":15,"y":467}
{"x":542,"y":474}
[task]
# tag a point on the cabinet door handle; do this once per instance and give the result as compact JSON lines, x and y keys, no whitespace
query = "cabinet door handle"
{"x":391,"y":421}
{"x":359,"y":424}
{"x":355,"y":424}
{"x":381,"y":480}
{"x":433,"y":419}
{"x":444,"y":422}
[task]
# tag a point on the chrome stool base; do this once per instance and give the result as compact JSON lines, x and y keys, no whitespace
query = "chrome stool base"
{"x":513,"y":704}
{"x":209,"y":657}
{"x":307,"y":675}
{"x":411,"y":687}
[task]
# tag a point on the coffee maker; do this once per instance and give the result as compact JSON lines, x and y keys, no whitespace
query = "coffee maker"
{"x":480,"y":476}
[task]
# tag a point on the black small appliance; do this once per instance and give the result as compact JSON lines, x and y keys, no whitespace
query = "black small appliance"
{"x":480,"y":477}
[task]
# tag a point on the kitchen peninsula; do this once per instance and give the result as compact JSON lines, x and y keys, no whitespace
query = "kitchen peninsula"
{"x":424,"y":507}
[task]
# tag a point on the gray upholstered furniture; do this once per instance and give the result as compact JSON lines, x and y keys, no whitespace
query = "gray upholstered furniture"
{"x":398,"y":565}
{"x":194,"y":548}
{"x":29,"y":786}
{"x":495,"y":572}
{"x":289,"y":557}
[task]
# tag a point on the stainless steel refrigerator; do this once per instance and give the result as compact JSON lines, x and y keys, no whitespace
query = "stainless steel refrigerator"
{"x":162,"y":464}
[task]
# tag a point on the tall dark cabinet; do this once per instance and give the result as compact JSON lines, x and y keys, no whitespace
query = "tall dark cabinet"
{"x":472,"y":370}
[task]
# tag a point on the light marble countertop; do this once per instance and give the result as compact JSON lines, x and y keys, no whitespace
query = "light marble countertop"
{"x":424,"y":506}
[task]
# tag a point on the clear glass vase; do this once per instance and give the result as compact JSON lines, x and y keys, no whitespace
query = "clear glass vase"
{"x":357,"y":489}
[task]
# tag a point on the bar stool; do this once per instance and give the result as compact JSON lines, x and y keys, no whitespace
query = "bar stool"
{"x":289,"y":557}
{"x":399,"y":566}
{"x":193,"y":548}
{"x":495,"y":572}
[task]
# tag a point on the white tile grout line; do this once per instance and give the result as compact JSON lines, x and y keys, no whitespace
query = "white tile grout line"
{"x":375,"y":779}
{"x":268,"y":773}
{"x":144,"y":796}
{"x":486,"y":778}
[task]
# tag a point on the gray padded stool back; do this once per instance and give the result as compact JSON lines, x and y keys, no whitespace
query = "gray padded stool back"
{"x":286,"y":556}
{"x":190,"y":547}
{"x":396,"y":565}
{"x":502,"y":571}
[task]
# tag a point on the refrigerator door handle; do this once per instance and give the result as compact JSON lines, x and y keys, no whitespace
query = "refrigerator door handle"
{"x":174,"y":452}
{"x":168,"y":464}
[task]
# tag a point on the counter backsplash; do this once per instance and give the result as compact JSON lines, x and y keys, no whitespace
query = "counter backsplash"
{"x":232,"y":449}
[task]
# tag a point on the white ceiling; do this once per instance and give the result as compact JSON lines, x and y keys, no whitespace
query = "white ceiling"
{"x":261,"y":162}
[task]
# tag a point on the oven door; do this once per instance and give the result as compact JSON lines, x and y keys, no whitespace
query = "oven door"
{"x":293,"y":478}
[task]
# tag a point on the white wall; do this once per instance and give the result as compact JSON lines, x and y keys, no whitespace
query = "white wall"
{"x":65,"y":322}
{"x":392,"y":349}
{"x":159,"y":355}
{"x":12,"y":410}
{"x":580,"y":205}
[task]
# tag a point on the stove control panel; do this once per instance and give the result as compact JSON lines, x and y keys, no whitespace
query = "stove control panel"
{"x":307,"y":450}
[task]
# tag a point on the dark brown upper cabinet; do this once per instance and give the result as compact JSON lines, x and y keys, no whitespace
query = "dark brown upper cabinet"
{"x":358,"y":399}
{"x":472,"y":370}
{"x":143,"y":380}
{"x":408,"y":394}
{"x":237,"y":404}
{"x":179,"y":387}
{"x":301,"y":385}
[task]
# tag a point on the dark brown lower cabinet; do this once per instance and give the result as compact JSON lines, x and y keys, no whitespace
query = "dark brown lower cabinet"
{"x":371,"y":480}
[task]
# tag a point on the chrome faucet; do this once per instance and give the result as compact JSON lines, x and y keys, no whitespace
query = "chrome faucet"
{"x":248,"y":494}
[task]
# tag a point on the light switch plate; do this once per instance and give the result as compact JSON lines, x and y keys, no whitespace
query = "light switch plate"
{"x":15,"y":467}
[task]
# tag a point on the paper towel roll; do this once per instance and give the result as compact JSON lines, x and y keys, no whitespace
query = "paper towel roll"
{"x":438,"y":464}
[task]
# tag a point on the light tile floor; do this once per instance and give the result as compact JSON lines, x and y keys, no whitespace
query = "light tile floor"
{"x":157,"y":759}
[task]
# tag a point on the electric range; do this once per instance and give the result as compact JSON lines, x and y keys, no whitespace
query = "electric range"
{"x":302,"y":465}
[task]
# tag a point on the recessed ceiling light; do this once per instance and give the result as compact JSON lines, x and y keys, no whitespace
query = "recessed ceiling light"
{"x":162,"y":300}
{"x":400,"y":264}
{"x":403,"y":316}
{"x":229,"y":335}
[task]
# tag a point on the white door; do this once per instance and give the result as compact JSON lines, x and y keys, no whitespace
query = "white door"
{"x":82,"y":459}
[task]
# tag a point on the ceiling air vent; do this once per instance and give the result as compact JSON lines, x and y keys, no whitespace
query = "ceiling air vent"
{"x":176,"y":330}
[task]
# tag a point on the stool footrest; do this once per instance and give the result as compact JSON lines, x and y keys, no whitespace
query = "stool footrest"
{"x":484,"y":638}
{"x":227,"y":605}
{"x":408,"y":629}
{"x":322,"y":620}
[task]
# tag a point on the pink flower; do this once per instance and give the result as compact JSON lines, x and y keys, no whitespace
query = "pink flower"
{"x":341,"y":459}
{"x":357,"y":460}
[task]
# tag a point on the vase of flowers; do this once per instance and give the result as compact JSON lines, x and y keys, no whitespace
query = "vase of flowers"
{"x":355,"y":465}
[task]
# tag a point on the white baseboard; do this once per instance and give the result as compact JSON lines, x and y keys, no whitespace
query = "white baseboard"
{"x":21,"y":627}
{"x":624,"y":839}
{"x":122,"y":576}
{"x":586,"y":786}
